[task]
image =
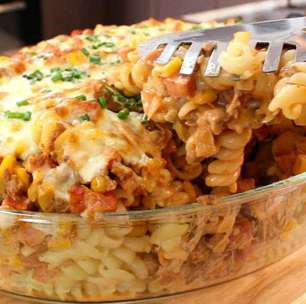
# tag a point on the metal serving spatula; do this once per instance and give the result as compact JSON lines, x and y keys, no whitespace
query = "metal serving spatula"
{"x":275,"y":35}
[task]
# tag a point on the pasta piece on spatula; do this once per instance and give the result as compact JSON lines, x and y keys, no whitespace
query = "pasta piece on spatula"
{"x":275,"y":35}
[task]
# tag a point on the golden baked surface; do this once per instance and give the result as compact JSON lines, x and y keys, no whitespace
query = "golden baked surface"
{"x":87,"y":125}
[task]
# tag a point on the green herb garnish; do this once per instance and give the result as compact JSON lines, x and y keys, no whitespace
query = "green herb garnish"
{"x":102,"y":102}
{"x":134,"y":103}
{"x":26,"y":116}
{"x":97,"y":43}
{"x":106,"y":44}
{"x":81,"y":97}
{"x":123,"y":114}
{"x":68,"y":74}
{"x":96,"y":59}
{"x":84,"y":117}
{"x":120,"y":97}
{"x":85,"y":52}
{"x":114,"y":62}
{"x":93,"y":38}
{"x":56,"y":76}
{"x":35,"y":76}
{"x":131,"y":103}
{"x":22,"y":103}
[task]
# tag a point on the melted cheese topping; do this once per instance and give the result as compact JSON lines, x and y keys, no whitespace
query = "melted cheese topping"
{"x":47,"y":75}
{"x":62,"y":178}
{"x":88,"y":148}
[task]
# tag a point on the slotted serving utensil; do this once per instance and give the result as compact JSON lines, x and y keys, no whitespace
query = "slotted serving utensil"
{"x":275,"y":35}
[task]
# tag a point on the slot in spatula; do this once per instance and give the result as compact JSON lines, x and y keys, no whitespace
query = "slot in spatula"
{"x":274,"y":35}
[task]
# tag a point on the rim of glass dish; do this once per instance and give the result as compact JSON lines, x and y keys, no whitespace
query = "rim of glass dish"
{"x":139,"y":215}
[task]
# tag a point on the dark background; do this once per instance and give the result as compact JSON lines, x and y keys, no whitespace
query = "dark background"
{"x":81,"y":14}
{"x":42,"y":19}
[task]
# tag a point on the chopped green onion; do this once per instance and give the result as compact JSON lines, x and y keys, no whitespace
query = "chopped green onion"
{"x":22,"y":103}
{"x":81,"y":97}
{"x":115,"y":62}
{"x":131,"y":103}
{"x":85,"y":52}
{"x":106,"y":44}
{"x":102,"y":102}
{"x":92,"y":38}
{"x":68,"y":74}
{"x":26,"y":116}
{"x":57,"y":76}
{"x":120,"y":97}
{"x":35,"y":76}
{"x":96,"y":59}
{"x":123,"y":114}
{"x":84,"y":117}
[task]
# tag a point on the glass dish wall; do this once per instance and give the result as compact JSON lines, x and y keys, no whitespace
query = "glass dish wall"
{"x":145,"y":254}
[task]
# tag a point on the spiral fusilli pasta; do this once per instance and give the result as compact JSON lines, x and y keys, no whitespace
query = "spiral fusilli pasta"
{"x":225,"y":170}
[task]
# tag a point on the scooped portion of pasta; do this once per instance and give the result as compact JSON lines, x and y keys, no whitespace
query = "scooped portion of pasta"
{"x":88,"y":126}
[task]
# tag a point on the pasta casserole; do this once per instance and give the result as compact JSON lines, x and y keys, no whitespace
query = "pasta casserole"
{"x":88,"y":127}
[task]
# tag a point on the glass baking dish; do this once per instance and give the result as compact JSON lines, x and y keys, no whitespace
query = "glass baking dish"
{"x":139,"y":256}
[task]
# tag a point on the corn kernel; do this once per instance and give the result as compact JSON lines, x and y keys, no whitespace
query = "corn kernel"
{"x":23,"y":176}
{"x":59,"y":243}
{"x":7,"y":164}
{"x":99,"y":184}
{"x":20,"y":148}
{"x":76,"y":58}
{"x":169,"y":69}
{"x":205,"y":97}
{"x":45,"y":198}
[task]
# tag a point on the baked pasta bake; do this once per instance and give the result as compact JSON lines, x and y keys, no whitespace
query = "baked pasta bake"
{"x":88,"y":127}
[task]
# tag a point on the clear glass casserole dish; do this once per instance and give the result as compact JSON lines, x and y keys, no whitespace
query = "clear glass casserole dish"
{"x":140,"y":255}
